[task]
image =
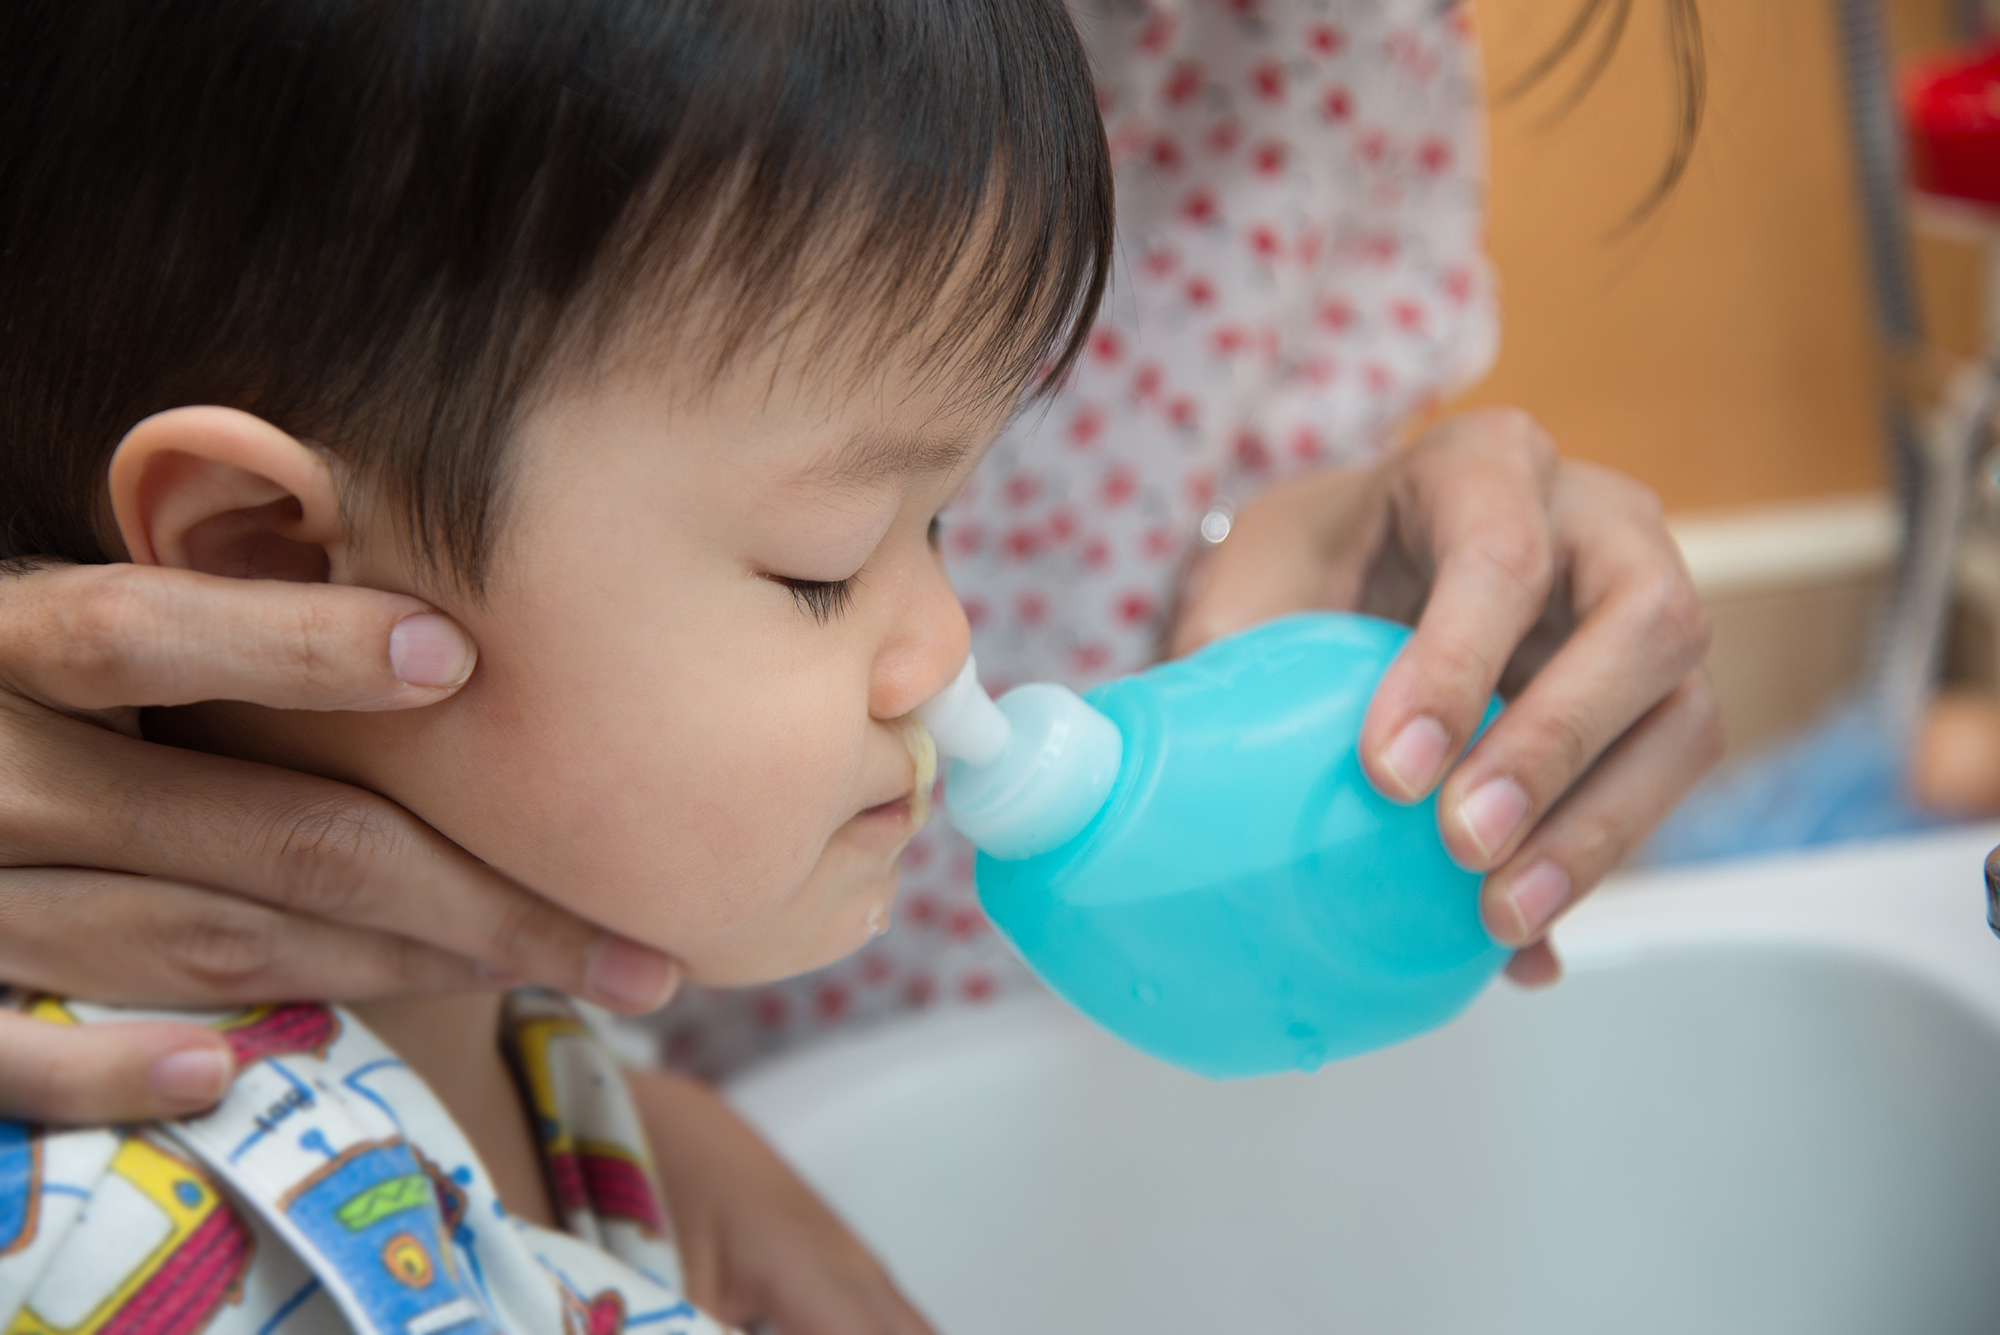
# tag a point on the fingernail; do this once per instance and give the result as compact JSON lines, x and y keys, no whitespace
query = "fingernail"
{"x":195,"y":1077}
{"x":1537,"y":895}
{"x":1416,"y":756}
{"x":629,"y":977}
{"x":430,"y":650}
{"x":1491,"y":814}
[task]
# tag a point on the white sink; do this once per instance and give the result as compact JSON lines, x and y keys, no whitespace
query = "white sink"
{"x":1767,"y":1099}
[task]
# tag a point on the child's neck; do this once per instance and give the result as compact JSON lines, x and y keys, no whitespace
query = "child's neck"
{"x":453,"y":1043}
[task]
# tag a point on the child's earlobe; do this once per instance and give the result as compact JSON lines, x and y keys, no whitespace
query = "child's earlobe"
{"x":225,"y":493}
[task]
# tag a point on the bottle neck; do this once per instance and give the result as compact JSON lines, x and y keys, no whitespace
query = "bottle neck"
{"x":1046,"y":785}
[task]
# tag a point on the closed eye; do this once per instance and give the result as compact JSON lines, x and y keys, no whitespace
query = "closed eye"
{"x":824,"y":599}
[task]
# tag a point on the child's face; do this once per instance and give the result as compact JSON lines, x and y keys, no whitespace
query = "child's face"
{"x":659,"y":734}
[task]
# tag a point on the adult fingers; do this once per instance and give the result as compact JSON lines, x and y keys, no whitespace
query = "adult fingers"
{"x":85,"y":638}
{"x":199,"y":947}
{"x":1472,"y":498}
{"x":1631,"y":789}
{"x":300,"y":844}
{"x":1535,"y":965}
{"x":1643,"y":630}
{"x":133,"y":1072}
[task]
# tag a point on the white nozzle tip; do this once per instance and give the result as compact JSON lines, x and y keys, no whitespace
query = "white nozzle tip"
{"x":966,"y":723}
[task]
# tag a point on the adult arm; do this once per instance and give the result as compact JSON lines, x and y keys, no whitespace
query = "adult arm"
{"x":1552,"y":581}
{"x":131,"y":871}
{"x":757,"y":1244}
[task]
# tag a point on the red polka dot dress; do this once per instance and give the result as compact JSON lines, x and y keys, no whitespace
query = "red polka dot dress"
{"x":1300,"y":271}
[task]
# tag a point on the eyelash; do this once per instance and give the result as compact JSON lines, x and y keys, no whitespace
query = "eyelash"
{"x":824,"y":600}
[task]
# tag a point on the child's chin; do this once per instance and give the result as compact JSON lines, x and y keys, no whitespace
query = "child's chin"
{"x":862,"y":916}
{"x":859,"y":914}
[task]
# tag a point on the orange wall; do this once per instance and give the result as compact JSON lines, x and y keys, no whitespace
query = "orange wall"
{"x":1721,"y":350}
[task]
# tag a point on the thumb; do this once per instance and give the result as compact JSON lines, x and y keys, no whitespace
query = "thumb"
{"x":82,"y":638}
{"x":131,"y":1072}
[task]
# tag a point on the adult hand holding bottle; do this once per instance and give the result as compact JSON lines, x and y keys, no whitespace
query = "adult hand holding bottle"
{"x":1555,"y":583}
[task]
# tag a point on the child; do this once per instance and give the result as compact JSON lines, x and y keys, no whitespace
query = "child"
{"x":645,"y":338}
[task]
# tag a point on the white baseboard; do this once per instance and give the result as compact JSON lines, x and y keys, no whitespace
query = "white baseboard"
{"x":1757,"y":547}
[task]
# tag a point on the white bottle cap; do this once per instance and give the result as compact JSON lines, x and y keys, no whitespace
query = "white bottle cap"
{"x":1029,"y":772}
{"x":1049,"y":783}
{"x":965,"y":722}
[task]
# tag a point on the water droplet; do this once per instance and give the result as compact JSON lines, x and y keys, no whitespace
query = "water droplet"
{"x":1146,"y":994}
{"x":1311,"y":1058}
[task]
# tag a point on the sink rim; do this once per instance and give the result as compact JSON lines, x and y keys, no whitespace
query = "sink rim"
{"x":1915,"y":905}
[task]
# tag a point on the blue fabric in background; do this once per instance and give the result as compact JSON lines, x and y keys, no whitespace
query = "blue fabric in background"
{"x":1844,"y":780}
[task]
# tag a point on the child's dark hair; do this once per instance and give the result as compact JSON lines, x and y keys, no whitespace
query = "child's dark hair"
{"x":384,"y":225}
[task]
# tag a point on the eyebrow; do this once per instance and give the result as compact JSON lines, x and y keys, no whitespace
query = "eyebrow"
{"x":869,"y":459}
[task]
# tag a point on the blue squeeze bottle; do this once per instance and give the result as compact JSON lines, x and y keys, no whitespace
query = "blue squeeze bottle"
{"x":1193,"y":858}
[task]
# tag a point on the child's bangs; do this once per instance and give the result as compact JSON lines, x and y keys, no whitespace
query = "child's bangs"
{"x":936,"y":186}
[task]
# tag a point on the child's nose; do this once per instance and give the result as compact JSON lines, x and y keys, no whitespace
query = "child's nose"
{"x":925,"y":650}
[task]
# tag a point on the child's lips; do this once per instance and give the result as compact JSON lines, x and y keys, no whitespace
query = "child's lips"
{"x":890,"y":824}
{"x":894,"y":809}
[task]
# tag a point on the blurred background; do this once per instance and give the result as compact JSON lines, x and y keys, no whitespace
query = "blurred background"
{"x":1725,"y":348}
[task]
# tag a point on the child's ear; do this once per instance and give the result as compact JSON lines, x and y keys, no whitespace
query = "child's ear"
{"x":225,"y":493}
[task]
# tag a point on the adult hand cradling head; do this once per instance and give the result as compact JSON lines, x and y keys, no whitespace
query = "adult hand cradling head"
{"x":214,"y":880}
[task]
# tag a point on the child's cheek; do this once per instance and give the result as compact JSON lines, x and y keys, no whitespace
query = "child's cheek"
{"x":679,"y":784}
{"x":681,"y":826}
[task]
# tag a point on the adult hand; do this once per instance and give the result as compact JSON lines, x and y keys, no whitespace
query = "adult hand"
{"x":215,"y":881}
{"x":757,"y":1245}
{"x":1555,"y":583}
